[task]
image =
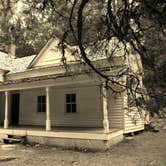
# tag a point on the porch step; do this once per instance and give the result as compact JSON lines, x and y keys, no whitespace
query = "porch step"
{"x":11,"y":139}
{"x":16,"y":136}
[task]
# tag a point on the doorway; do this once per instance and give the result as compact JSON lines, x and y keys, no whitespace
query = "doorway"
{"x":15,"y":105}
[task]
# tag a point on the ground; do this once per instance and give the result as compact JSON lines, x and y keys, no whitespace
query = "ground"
{"x":146,"y":149}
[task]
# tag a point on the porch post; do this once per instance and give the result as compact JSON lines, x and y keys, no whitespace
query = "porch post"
{"x":48,"y":121}
{"x":105,"y":108}
{"x":6,"y":122}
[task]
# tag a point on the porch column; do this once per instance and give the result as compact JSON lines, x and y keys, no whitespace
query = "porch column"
{"x":6,"y":122}
{"x":105,"y":108}
{"x":48,"y":121}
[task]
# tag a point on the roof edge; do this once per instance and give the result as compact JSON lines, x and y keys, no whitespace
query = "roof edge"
{"x":40,"y":53}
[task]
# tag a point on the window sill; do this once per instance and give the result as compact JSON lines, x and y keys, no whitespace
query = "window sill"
{"x":71,"y":113}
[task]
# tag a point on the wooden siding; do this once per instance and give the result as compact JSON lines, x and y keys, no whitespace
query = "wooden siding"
{"x":116,"y":115}
{"x":52,"y":55}
{"x":133,"y":120}
{"x":89,"y":112}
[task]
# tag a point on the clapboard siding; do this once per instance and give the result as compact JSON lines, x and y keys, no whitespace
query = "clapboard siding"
{"x":52,"y":55}
{"x":133,"y":129}
{"x":133,"y":120}
{"x":116,"y":115}
{"x":89,"y":112}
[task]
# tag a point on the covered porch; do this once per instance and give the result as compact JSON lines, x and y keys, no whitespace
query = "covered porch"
{"x":91,"y":95}
{"x":53,"y":132}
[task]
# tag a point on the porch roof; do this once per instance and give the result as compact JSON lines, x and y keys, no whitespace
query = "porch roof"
{"x":55,"y":72}
{"x":50,"y":81}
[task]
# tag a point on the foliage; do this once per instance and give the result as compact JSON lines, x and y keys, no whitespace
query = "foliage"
{"x":125,"y":26}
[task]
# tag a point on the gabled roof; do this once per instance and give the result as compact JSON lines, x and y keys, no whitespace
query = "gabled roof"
{"x":36,"y":58}
{"x":14,"y":65}
{"x":51,"y":55}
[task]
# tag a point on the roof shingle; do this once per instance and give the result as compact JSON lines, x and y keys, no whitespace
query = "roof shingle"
{"x":14,"y":65}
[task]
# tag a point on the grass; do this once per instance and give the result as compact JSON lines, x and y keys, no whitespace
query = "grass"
{"x":146,"y":149}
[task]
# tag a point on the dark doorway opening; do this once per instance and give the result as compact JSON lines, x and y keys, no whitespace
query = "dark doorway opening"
{"x":15,"y":105}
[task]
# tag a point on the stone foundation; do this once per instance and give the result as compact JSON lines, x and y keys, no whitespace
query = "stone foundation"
{"x":81,"y":144}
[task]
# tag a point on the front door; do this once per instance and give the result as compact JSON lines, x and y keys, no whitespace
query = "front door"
{"x":15,"y":102}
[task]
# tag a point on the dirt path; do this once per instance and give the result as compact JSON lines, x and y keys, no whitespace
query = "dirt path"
{"x":146,"y":149}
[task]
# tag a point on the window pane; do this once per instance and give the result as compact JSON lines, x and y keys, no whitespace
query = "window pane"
{"x":70,"y":98}
{"x":67,"y":98}
{"x":73,"y":107}
{"x":44,"y":107}
{"x":41,"y":103}
{"x":43,"y":99}
{"x":39,"y":99}
{"x":71,"y":103}
{"x":68,"y":108}
{"x":73,"y":98}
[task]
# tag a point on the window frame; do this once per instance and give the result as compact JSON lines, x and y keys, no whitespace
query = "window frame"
{"x":41,"y":104}
{"x":71,"y":103}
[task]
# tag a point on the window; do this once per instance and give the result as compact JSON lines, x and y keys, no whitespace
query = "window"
{"x":41,"y":103}
{"x":71,"y":103}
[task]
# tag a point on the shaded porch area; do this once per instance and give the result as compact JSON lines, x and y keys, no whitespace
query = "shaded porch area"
{"x":84,"y":105}
{"x":90,"y":120}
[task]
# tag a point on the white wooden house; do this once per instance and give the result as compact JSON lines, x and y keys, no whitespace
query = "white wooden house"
{"x":39,"y":100}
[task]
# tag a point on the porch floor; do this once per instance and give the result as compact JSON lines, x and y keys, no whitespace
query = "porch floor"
{"x":62,"y":132}
{"x":70,"y":137}
{"x":61,"y":129}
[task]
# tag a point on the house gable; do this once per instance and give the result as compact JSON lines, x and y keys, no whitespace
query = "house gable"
{"x":51,"y":55}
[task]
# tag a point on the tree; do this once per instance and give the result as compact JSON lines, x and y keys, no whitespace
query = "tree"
{"x":10,"y":24}
{"x":22,"y":27}
{"x":95,"y":24}
{"x":127,"y":22}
